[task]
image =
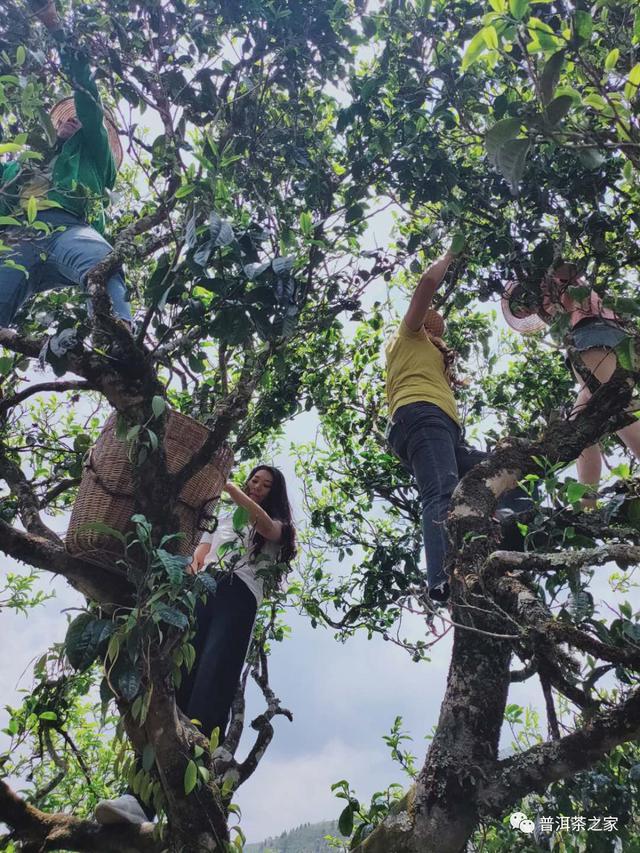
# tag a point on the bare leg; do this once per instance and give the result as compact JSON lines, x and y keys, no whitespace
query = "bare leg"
{"x":631,"y":437}
{"x":602,"y":364}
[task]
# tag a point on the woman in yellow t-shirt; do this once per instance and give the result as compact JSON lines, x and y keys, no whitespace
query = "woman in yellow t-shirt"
{"x":424,"y":425}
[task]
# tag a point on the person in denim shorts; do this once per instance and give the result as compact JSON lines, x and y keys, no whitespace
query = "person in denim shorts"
{"x":59,"y":247}
{"x":593,"y":333}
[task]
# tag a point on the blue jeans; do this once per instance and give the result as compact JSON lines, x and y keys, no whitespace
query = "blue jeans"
{"x":60,"y":259}
{"x":430,"y":445}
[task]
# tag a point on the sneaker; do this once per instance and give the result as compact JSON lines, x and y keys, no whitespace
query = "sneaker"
{"x":125,"y":809}
{"x":440,"y":593}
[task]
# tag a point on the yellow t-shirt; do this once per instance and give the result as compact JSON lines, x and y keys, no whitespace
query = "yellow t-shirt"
{"x":415,"y":372}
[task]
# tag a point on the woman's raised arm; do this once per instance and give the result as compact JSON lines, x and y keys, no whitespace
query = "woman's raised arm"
{"x":264,"y":524}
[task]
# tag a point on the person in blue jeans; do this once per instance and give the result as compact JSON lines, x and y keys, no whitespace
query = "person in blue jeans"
{"x":66,"y":194}
{"x":425,"y":431}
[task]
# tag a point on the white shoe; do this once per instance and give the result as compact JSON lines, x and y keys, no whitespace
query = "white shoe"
{"x":125,"y":809}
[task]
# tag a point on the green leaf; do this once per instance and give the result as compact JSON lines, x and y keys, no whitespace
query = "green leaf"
{"x":48,"y":715}
{"x":626,"y":610}
{"x":21,"y":55}
{"x":148,"y":757}
{"x":457,"y":243}
{"x":173,"y":564}
{"x":190,"y":777}
{"x":576,"y":491}
{"x":158,"y":405}
{"x":611,"y":59}
{"x":591,"y":158}
{"x":596,"y":101}
{"x":578,"y":293}
{"x":32,"y":209}
{"x":208,"y":584}
{"x":172,"y":616}
{"x":10,"y":147}
{"x":240,"y":519}
{"x":185,"y":190}
{"x":490,"y":36}
{"x":354,"y":213}
{"x":501,"y":132}
{"x":518,"y":8}
{"x":583,"y":24}
{"x":125,"y":678}
{"x":542,"y":37}
{"x":475,"y":49}
{"x":558,"y":108}
{"x":153,"y":439}
{"x":101,"y":527}
{"x":511,"y":161}
{"x":633,"y":81}
{"x":113,"y":648}
{"x":551,"y":75}
{"x":214,"y":740}
{"x":6,"y":363}
{"x":626,"y":354}
{"x":345,"y":821}
{"x":581,"y":605}
{"x":85,"y":637}
{"x":306,"y":224}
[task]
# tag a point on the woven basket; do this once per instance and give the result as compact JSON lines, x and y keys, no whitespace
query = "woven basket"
{"x":106,"y":491}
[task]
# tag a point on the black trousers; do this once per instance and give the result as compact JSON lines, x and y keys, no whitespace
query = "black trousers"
{"x":224,"y":625}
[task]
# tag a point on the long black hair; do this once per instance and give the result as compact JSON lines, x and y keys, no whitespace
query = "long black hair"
{"x":277,"y":506}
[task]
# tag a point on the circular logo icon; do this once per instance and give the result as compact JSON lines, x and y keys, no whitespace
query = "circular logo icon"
{"x":527,"y":826}
{"x":516,"y":819}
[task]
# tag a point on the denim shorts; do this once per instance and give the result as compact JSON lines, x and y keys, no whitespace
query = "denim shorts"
{"x":596,"y":333}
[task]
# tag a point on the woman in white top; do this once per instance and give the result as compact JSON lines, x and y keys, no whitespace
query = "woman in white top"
{"x":238,"y":557}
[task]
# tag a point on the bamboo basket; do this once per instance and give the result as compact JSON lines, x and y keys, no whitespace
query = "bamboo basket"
{"x":106,"y":490}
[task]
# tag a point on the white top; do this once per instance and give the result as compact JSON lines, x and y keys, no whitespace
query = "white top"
{"x":231,"y":551}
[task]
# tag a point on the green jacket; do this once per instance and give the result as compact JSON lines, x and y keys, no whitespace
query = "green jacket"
{"x":84,"y":167}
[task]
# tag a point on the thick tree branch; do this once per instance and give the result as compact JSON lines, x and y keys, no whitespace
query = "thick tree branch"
{"x":504,"y":561}
{"x":57,"y":490}
{"x":476,"y":495}
{"x":39,"y":831}
{"x":545,"y":763}
{"x":67,"y":385}
{"x":28,"y":503}
{"x":104,"y":585}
